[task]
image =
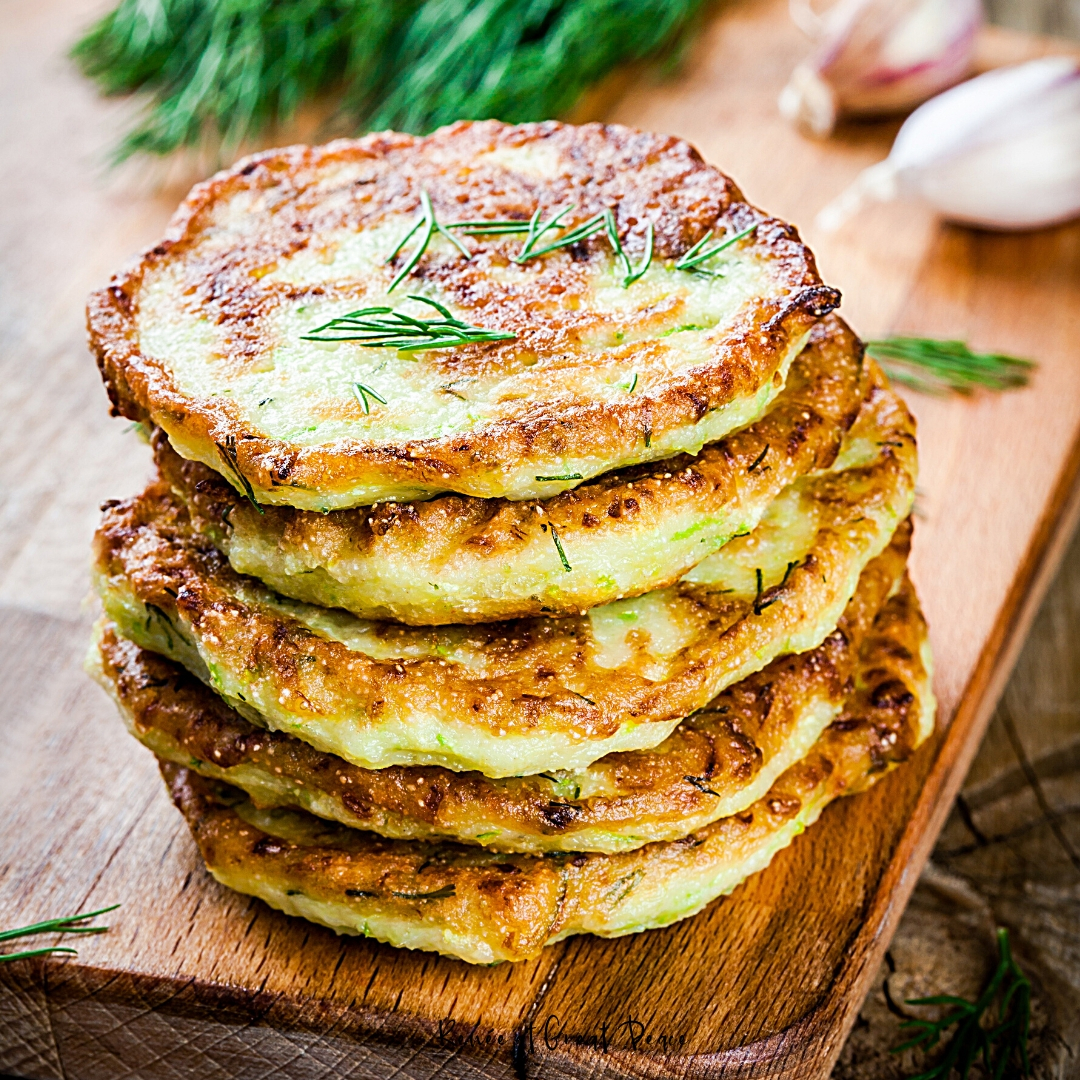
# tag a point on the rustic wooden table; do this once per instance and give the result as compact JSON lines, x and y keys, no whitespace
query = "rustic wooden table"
{"x":1009,"y":852}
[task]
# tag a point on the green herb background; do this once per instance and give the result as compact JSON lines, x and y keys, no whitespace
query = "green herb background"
{"x":222,"y":72}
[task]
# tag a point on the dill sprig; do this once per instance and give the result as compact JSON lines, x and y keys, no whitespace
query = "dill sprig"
{"x":631,"y":273}
{"x":443,"y":893}
{"x":759,"y":459}
{"x":699,"y":253}
{"x":538,"y":229}
{"x":428,"y":225}
{"x":699,"y":783}
{"x":68,"y":924}
{"x":226,"y":73}
{"x":583,"y":231}
{"x":936,"y":367}
{"x":385,"y":328}
{"x":603,"y":222}
{"x":638,"y":271}
{"x":1002,"y":1045}
{"x":559,"y":548}
{"x":362,"y":393}
{"x":760,"y":603}
{"x":228,"y":453}
{"x":490,"y":228}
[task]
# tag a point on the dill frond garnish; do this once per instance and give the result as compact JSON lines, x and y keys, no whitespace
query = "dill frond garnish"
{"x":559,"y":548}
{"x":385,"y":328}
{"x":638,"y":271}
{"x":166,"y":624}
{"x":228,"y":454}
{"x":760,"y":604}
{"x":490,"y":228}
{"x":1002,"y":1045}
{"x":623,"y":887}
{"x":758,"y":460}
{"x":439,"y":894}
{"x":630,"y":272}
{"x":69,"y":924}
{"x":699,"y":783}
{"x":362,"y":393}
{"x":428,"y":225}
{"x":621,"y":257}
{"x":537,"y":229}
{"x":699,"y":253}
{"x":936,"y":367}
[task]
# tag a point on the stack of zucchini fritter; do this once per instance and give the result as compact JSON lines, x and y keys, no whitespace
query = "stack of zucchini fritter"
{"x":526,"y":555}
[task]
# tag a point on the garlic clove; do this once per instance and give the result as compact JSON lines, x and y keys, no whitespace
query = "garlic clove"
{"x":809,"y":102}
{"x":879,"y":56}
{"x":1001,"y":151}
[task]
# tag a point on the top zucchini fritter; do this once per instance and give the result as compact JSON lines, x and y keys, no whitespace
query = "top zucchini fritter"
{"x":457,"y":559}
{"x":204,"y":334}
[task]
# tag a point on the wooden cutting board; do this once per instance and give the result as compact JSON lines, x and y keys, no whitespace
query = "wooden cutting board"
{"x":193,"y":980}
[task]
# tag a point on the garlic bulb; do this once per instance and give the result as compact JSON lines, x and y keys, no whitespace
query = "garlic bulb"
{"x":1001,"y":151}
{"x":878,"y":56}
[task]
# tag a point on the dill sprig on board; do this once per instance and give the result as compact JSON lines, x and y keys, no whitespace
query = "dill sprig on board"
{"x":385,"y":328}
{"x":999,"y":1035}
{"x":68,"y":924}
{"x":217,"y":73}
{"x":936,"y":367}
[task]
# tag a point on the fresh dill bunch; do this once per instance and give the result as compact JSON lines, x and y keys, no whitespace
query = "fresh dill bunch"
{"x":514,"y":61}
{"x":995,"y":1027}
{"x":226,"y":71}
{"x":936,"y":367}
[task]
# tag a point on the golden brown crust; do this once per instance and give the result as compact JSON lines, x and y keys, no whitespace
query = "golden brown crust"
{"x":485,"y":906}
{"x":456,"y":559}
{"x":702,"y":771}
{"x":294,"y":196}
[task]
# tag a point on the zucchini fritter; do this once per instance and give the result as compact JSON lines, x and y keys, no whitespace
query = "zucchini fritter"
{"x":714,"y":764}
{"x":456,"y":559}
{"x":526,"y":696}
{"x":208,"y":334}
{"x":486,"y":906}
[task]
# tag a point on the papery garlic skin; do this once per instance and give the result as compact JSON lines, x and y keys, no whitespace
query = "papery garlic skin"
{"x":1001,"y":151}
{"x":879,"y":57}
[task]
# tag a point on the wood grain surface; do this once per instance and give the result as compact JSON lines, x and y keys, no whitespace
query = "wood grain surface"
{"x":193,"y":980}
